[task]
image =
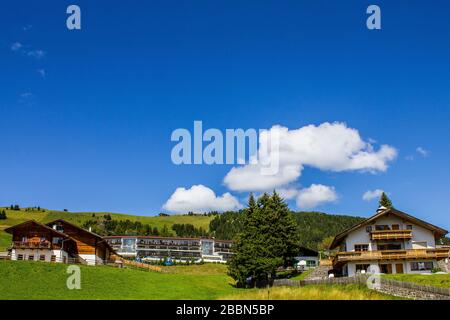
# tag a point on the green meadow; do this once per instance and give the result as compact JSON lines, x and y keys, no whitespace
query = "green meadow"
{"x":41,"y":280}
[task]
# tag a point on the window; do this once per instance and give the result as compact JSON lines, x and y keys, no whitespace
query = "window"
{"x":361,"y":247}
{"x":369,"y":229}
{"x":31,"y":257}
{"x":20,"y":257}
{"x":395,"y":227}
{"x":421,"y":266}
{"x":419,"y":245}
{"x":53,"y":258}
{"x":42,"y":257}
{"x":360,"y":267}
{"x":382,"y":227}
{"x":310,"y":263}
{"x":409,"y":227}
{"x":389,"y":246}
{"x":56,"y":240}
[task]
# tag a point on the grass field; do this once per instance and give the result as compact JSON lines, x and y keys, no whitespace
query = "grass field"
{"x":40,"y":280}
{"x":437,"y":280}
{"x":16,"y":217}
{"x":302,"y":275}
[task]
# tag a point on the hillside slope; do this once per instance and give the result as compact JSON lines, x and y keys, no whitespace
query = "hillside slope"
{"x":314,"y":227}
{"x":26,"y":280}
{"x":15,"y":217}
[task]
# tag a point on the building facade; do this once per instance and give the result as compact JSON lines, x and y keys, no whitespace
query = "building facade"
{"x":391,"y":241}
{"x":307,"y":258}
{"x":177,"y":248}
{"x":57,"y":241}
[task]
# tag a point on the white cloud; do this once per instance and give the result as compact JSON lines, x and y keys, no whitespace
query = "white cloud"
{"x":19,"y":47}
{"x":315,"y":195}
{"x":328,"y":147}
{"x":42,"y":72}
{"x":38,"y":54}
{"x":372,"y":194}
{"x":423,"y":151}
{"x":16,"y":46}
{"x":26,"y":95}
{"x":288,"y":193}
{"x":200,"y":198}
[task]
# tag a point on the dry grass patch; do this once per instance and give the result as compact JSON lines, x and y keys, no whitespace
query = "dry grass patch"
{"x":319,"y":292}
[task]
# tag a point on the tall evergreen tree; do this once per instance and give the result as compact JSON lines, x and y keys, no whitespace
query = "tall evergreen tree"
{"x":385,"y":201}
{"x":267,"y":241}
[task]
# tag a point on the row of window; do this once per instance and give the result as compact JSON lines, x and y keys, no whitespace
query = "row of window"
{"x":165,"y":242}
{"x":31,"y":257}
{"x":391,"y":246}
{"x":415,"y":266}
{"x":387,"y":227}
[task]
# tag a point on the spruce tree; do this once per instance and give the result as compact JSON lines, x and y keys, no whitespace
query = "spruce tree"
{"x":268,"y":240}
{"x":385,"y":201}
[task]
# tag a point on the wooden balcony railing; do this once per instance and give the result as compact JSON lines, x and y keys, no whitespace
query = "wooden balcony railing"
{"x":31,"y":245}
{"x":391,"y":255}
{"x":391,"y":234}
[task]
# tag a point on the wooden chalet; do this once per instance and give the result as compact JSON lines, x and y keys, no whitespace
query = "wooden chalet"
{"x":58,"y":241}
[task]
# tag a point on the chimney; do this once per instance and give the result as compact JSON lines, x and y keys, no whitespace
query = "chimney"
{"x":381,"y":209}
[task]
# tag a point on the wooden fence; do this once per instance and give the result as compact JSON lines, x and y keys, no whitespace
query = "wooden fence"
{"x":116,"y":262}
{"x":416,"y":287}
{"x":329,"y":281}
{"x":141,"y":265}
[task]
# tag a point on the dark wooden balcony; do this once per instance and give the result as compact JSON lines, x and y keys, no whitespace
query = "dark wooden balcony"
{"x":31,"y":245}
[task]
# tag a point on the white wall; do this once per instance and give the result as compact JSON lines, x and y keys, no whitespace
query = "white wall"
{"x":360,"y":236}
{"x":308,"y":258}
{"x":60,"y":254}
{"x":91,"y":259}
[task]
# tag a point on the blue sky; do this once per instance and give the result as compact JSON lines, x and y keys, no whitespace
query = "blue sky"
{"x":86,"y":116}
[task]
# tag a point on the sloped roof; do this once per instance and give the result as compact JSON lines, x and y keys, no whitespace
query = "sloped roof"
{"x":438,"y":232}
{"x":100,"y":238}
{"x":75,"y":226}
{"x":12,"y":228}
{"x":308,"y":252}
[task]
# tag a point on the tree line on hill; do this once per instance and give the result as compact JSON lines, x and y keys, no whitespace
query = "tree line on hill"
{"x":106,"y":226}
{"x":315,"y":229}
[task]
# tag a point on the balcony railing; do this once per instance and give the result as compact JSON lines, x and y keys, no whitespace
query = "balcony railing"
{"x":31,"y":245}
{"x":391,"y":255}
{"x":391,"y":234}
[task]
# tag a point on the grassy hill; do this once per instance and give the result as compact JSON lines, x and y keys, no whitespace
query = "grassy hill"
{"x":41,"y":280}
{"x":15,"y":217}
{"x":314,"y":227}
